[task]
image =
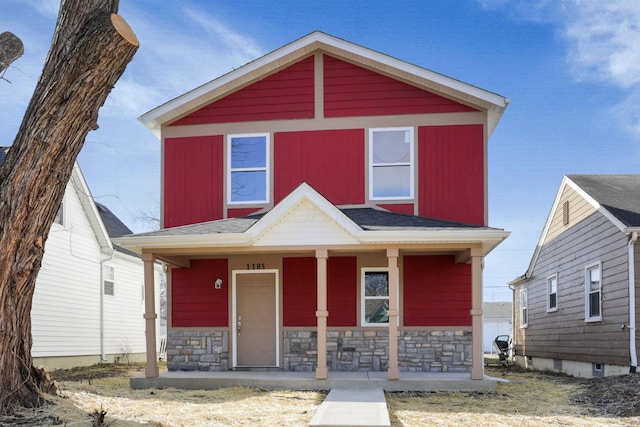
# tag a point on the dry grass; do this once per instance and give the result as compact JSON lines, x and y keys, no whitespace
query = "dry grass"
{"x":530,"y":399}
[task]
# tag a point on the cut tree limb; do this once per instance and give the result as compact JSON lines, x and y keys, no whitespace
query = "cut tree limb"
{"x":90,"y":50}
{"x":11,"y":48}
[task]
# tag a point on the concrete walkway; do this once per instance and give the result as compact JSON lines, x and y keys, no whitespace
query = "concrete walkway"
{"x":349,"y":407}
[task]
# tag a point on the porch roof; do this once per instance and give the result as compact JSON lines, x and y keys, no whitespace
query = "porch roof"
{"x":305,"y":219}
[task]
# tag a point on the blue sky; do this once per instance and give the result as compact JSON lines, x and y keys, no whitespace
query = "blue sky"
{"x":570,"y":68}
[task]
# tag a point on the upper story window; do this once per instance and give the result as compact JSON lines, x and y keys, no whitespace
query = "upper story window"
{"x":552,"y":293}
{"x":524,"y":309}
{"x":108,"y":280}
{"x":391,"y":162}
{"x":248,"y":170}
{"x":593,"y":292}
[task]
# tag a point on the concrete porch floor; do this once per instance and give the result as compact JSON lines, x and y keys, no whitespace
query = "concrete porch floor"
{"x":409,"y":381}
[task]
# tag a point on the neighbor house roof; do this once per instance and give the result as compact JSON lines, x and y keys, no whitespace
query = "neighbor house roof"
{"x":617,"y":194}
{"x":115,"y":227}
{"x":281,"y":58}
{"x":617,"y":197}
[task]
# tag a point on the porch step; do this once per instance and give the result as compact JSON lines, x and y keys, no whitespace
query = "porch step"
{"x":348,"y":407}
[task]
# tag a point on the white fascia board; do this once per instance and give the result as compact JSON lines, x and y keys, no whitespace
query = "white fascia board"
{"x":137,"y":243}
{"x":91,"y":210}
{"x":488,"y":238}
{"x":168,"y":111}
{"x":437,"y":78}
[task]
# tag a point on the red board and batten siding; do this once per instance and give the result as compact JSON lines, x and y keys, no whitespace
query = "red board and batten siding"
{"x":451,"y":173}
{"x":286,"y":94}
{"x":194,"y":300}
{"x":299,"y":291}
{"x":193,"y":177}
{"x":436,"y":291}
{"x":332,"y":162}
{"x":350,"y":91}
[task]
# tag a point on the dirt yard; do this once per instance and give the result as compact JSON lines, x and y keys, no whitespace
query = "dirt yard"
{"x":100,"y":395}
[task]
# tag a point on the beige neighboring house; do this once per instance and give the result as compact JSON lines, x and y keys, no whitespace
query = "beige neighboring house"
{"x":496,"y":320}
{"x":576,"y":307}
{"x":88,"y":303}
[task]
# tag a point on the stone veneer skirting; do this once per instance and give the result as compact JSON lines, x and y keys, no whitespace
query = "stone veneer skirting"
{"x":347,"y":351}
{"x":197,"y":350}
{"x":361,"y":350}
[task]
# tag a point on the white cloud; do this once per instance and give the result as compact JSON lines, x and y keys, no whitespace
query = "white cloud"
{"x":604,"y":40}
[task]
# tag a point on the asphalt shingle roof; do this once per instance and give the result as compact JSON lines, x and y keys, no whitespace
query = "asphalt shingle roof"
{"x":366,"y":218}
{"x":619,"y":194}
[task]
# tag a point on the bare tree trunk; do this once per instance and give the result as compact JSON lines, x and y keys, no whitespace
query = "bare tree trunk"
{"x":90,"y":49}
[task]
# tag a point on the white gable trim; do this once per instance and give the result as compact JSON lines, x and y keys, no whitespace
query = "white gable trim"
{"x":289,"y":203}
{"x":292,"y":52}
{"x":81,"y":188}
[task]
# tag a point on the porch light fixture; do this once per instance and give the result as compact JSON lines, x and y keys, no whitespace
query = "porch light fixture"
{"x":218,"y":283}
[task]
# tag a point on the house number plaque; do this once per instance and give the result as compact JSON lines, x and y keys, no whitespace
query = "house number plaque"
{"x":258,"y":266}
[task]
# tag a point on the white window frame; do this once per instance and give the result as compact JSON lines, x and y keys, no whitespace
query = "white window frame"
{"x":587,"y":292}
{"x":106,"y":279}
{"x":550,"y":284}
{"x":524,"y":308}
{"x":266,"y":169}
{"x":411,"y":163}
{"x":364,"y":298}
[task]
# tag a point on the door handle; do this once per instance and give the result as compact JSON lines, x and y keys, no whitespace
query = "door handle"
{"x":239,"y":323}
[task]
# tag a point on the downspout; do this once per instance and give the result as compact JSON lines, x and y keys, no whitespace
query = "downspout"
{"x":632,"y":304}
{"x":103,"y":353}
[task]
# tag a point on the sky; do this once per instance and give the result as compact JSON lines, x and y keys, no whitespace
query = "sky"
{"x":571,"y":69}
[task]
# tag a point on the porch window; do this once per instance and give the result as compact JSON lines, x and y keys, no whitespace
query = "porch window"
{"x":593,"y":292}
{"x":524,"y":309}
{"x":248,"y":168}
{"x":375,"y":297}
{"x":391,"y":163}
{"x":552,"y":293}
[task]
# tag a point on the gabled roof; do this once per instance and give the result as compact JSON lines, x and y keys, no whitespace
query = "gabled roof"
{"x":304,"y":47}
{"x":308,"y":219}
{"x":617,"y":197}
{"x":115,"y":227}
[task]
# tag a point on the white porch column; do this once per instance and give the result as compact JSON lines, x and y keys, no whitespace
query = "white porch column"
{"x":394,"y":285}
{"x":477,"y":367}
{"x":322,"y":314}
{"x":150,"y":315}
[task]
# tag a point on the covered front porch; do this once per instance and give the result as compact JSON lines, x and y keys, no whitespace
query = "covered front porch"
{"x":306,"y":229}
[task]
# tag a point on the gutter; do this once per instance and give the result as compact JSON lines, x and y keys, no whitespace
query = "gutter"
{"x":632,"y":304}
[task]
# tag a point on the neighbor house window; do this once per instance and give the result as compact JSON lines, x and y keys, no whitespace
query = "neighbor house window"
{"x":524,"y":309}
{"x":108,"y":280}
{"x":391,"y":163}
{"x":593,"y":292}
{"x":552,"y":293}
{"x":248,"y":173}
{"x":375,"y":296}
{"x":59,"y":219}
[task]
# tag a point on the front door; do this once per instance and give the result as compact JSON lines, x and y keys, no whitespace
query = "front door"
{"x":255,"y":319}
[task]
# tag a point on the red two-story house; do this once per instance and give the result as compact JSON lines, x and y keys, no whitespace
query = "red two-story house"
{"x":324,"y":208}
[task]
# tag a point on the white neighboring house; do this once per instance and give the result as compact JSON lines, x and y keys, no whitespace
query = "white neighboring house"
{"x":88,"y":303}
